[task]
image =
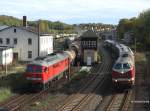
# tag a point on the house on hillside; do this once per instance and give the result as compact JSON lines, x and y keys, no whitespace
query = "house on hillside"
{"x":27,"y":43}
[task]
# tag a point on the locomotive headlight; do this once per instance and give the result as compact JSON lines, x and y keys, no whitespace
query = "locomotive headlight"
{"x":132,"y":79}
{"x":122,"y":72}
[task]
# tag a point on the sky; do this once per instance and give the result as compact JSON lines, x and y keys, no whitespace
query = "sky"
{"x":75,"y":11}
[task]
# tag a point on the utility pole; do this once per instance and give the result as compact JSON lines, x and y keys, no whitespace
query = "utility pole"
{"x":5,"y":63}
{"x":38,"y":37}
{"x":134,"y":44}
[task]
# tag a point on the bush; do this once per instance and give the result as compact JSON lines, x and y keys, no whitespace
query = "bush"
{"x":5,"y":93}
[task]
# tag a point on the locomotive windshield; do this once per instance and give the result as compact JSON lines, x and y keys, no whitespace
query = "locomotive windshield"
{"x":126,"y":66}
{"x":122,"y":66}
{"x":118,"y":66}
{"x":125,"y":55}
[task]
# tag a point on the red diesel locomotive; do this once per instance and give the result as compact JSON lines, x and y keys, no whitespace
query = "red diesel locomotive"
{"x":124,"y":70}
{"x":45,"y":69}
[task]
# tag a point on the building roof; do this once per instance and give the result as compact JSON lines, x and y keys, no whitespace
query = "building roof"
{"x":89,"y":34}
{"x":28,"y":28}
{"x":4,"y":48}
{"x":3,"y":27}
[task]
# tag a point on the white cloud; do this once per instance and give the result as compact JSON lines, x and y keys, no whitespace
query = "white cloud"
{"x":72,"y":10}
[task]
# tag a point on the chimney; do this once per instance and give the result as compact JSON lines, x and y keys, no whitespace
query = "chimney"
{"x":24,"y":21}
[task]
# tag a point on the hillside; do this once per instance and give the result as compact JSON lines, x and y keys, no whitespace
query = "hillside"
{"x":45,"y":25}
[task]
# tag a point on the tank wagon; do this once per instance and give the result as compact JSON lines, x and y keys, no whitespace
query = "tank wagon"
{"x":43,"y":70}
{"x":123,"y":71}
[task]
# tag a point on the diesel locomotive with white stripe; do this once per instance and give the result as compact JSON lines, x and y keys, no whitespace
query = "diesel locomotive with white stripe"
{"x":43,"y":70}
{"x":123,"y":71}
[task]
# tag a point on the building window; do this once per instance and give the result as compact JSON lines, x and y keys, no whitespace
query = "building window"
{"x":84,"y":43}
{"x":29,"y":41}
{"x":15,"y":40}
{"x":29,"y":54}
{"x":93,"y":43}
{"x":7,"y":41}
{"x":89,"y":44}
{"x":15,"y":30}
{"x":1,"y":41}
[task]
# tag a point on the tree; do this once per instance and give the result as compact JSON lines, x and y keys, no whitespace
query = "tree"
{"x":140,"y":28}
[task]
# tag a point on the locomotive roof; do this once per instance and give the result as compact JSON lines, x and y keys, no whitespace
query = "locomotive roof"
{"x":124,"y":49}
{"x":125,"y":59}
{"x":50,"y":59}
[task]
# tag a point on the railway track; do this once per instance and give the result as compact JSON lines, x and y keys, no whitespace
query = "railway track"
{"x":120,"y":102}
{"x":80,"y":100}
{"x":81,"y":96}
{"x":17,"y":101}
{"x":20,"y":100}
{"x":84,"y":95}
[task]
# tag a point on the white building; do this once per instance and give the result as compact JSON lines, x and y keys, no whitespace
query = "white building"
{"x":6,"y":56}
{"x":27,"y":44}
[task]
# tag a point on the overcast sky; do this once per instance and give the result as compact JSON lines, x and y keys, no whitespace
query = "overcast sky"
{"x":74,"y":11}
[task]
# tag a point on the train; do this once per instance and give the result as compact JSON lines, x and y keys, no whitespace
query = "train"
{"x":123,"y":71}
{"x":43,"y":70}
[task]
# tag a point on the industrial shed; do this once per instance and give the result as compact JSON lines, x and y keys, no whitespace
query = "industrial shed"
{"x":89,"y":44}
{"x":6,"y":55}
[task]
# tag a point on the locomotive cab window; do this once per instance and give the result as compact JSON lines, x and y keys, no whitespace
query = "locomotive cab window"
{"x":29,"y":69}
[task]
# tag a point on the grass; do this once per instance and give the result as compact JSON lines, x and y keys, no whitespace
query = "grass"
{"x":11,"y":83}
{"x":78,"y":75}
{"x":14,"y":68}
{"x":54,"y":99}
{"x":5,"y":93}
{"x":42,"y":103}
{"x":141,"y":63}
